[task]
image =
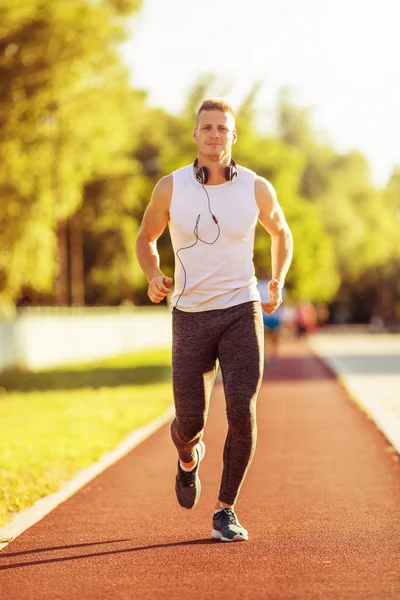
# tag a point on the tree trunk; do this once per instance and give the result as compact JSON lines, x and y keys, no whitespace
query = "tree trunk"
{"x":77,"y":281}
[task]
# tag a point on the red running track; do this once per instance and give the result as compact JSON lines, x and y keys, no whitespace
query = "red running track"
{"x":321,"y":503}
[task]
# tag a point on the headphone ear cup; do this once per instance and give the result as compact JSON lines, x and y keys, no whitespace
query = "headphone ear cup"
{"x":230,"y":173}
{"x":202,"y":175}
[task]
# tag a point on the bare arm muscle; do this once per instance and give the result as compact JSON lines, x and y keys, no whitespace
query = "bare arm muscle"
{"x":155,"y":219}
{"x":273,"y":220}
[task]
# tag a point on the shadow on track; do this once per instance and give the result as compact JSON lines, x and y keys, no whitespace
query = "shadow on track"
{"x":205,"y":541}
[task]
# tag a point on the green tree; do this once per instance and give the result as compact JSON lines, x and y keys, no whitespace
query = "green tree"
{"x":62,"y":94}
{"x":359,"y":219}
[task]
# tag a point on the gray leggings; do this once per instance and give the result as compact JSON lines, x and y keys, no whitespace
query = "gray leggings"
{"x":234,"y":338}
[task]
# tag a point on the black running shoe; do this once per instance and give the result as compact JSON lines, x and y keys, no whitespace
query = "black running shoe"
{"x":226,"y":527}
{"x":187,"y":484}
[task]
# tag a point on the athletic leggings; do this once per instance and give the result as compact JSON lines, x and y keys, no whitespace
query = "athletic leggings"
{"x":234,"y":338}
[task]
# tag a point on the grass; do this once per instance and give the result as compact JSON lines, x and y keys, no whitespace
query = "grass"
{"x":55,"y":422}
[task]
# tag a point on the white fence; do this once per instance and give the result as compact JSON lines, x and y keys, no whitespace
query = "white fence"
{"x":38,"y":338}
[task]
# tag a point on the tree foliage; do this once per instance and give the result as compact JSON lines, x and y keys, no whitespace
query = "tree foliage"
{"x":361,"y":221}
{"x":81,"y":150}
{"x":63,"y":98}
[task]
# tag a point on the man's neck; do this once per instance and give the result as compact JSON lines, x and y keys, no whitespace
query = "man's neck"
{"x":216,"y":168}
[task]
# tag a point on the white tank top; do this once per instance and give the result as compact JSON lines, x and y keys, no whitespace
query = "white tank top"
{"x":217,"y":272}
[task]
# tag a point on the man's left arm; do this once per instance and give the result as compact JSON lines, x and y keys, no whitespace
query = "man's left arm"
{"x":273,"y":220}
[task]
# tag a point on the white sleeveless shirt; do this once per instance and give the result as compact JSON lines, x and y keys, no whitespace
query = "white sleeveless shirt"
{"x":215,"y":269}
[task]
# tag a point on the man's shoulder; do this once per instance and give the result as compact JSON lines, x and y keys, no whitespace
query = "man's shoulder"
{"x":246,"y":172}
{"x":167,"y":182}
{"x":183,"y":171}
{"x":163,"y":191}
{"x":264,"y":190}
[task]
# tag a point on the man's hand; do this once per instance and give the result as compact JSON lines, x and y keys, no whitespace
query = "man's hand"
{"x":158,"y":288}
{"x":275,"y":297}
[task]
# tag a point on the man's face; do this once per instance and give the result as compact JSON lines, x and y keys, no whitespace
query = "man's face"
{"x":215,"y":133}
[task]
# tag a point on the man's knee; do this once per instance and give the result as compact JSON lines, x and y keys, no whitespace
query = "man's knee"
{"x":242,"y":418}
{"x":187,"y":429}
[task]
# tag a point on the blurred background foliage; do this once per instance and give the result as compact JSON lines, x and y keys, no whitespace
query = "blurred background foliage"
{"x":81,"y":149}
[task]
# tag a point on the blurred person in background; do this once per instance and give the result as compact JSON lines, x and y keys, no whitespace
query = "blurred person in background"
{"x":212,"y":208}
{"x":272,"y":333}
{"x":306,"y":319}
{"x":272,"y":324}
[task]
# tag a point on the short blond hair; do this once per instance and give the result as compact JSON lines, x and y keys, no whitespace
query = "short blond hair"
{"x":215,"y":104}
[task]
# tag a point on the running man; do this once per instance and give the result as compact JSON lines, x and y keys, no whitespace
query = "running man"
{"x":212,"y":208}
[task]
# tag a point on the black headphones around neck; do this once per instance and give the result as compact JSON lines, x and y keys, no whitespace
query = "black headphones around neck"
{"x":202,"y":172}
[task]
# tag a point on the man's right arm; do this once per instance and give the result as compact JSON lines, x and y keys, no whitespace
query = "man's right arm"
{"x":155,"y":220}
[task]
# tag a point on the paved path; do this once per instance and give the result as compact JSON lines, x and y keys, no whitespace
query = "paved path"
{"x":369,"y":367}
{"x":321,"y":502}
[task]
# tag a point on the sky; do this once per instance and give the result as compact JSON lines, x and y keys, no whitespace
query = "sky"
{"x":341,"y":58}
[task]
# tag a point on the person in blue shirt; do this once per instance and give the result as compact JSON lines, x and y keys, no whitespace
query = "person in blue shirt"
{"x":272,"y":325}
